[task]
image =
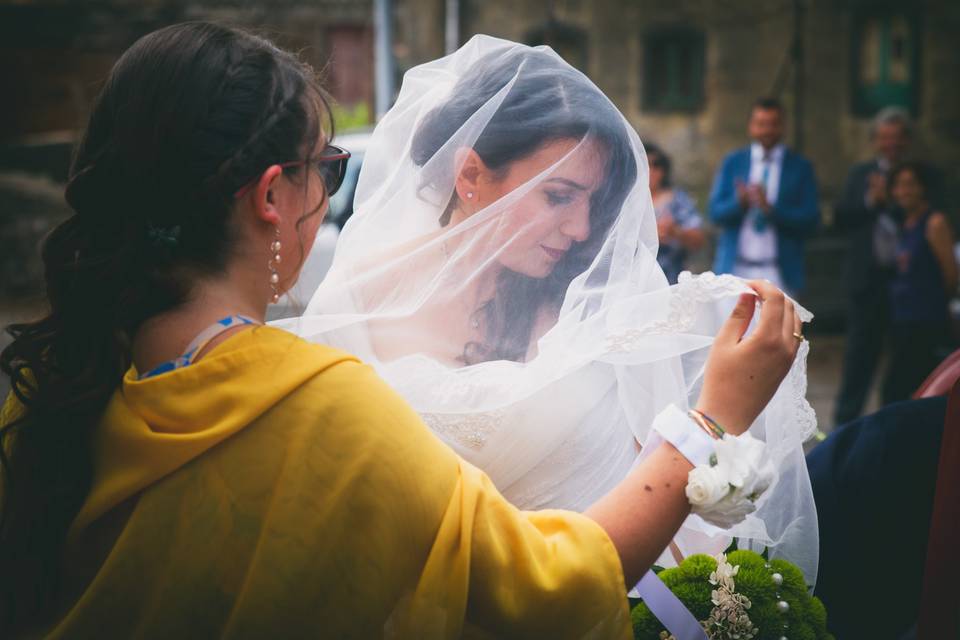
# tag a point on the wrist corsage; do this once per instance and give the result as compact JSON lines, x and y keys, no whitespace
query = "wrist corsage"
{"x":730,"y":472}
{"x":724,"y":491}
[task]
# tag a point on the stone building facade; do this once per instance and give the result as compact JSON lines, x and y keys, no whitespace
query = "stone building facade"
{"x":684,"y":72}
{"x":746,"y":51}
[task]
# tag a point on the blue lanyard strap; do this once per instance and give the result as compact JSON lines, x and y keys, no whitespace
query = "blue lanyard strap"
{"x":198,"y":343}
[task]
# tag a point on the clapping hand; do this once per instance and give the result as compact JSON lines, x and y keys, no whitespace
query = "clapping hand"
{"x":666,"y":228}
{"x":752,"y":195}
{"x":742,"y":195}
{"x":876,"y":189}
{"x":757,"y":196}
{"x":903,"y":261}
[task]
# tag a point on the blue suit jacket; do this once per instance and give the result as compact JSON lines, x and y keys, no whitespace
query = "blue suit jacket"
{"x":796,"y":213}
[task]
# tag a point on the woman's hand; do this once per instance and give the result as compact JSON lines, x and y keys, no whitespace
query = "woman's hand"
{"x":742,"y":374}
{"x":645,"y":510}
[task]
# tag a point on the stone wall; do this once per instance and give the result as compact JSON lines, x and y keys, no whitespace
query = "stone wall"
{"x":55,"y":53}
{"x":747,"y":42}
{"x":747,"y":55}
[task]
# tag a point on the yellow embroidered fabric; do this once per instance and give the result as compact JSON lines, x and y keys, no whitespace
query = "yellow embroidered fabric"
{"x":283,"y":490}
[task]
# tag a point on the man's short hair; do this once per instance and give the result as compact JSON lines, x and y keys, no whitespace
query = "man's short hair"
{"x":768,"y":103}
{"x":892,"y":115}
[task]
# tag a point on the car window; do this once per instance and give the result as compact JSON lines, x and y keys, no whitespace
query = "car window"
{"x":341,"y":204}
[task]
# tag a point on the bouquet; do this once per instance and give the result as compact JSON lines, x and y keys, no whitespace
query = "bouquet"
{"x":739,"y":596}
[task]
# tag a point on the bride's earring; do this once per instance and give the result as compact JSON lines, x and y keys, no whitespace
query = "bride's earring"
{"x":272,"y":264}
{"x":469,"y":195}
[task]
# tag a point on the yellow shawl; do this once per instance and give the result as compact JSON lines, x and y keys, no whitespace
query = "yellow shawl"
{"x":283,"y":490}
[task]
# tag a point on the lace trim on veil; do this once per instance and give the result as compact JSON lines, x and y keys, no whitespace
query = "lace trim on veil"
{"x":472,"y":430}
{"x":690,"y":292}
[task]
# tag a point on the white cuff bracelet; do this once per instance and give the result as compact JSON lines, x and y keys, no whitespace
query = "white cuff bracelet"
{"x":676,"y":427}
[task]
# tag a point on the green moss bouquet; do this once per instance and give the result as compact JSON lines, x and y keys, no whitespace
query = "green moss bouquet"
{"x":740,"y":596}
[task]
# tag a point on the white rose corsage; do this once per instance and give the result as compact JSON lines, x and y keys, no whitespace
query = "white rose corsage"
{"x":724,"y":491}
{"x":730,"y":472}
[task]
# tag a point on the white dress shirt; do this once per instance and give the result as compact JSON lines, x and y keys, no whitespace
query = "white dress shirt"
{"x":757,"y":248}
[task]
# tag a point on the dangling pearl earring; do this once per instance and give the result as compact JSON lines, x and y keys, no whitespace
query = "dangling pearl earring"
{"x":275,"y":247}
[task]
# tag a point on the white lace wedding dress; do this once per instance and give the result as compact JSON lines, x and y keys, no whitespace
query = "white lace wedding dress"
{"x":552,"y":406}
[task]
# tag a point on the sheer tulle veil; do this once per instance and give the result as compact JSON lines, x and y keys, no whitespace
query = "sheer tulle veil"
{"x":499,"y":272}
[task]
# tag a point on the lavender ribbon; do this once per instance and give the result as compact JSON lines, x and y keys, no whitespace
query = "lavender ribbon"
{"x":669,"y":610}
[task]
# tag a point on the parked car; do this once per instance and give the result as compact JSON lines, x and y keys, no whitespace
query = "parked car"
{"x":341,"y":204}
{"x":317,"y":264}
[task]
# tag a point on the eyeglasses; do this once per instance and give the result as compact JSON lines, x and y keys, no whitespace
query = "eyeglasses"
{"x":331,"y":165}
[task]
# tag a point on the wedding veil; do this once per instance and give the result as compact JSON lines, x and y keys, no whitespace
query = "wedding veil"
{"x":499,"y":272}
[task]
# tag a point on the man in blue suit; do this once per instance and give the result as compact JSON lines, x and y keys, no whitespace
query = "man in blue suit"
{"x":764,"y":200}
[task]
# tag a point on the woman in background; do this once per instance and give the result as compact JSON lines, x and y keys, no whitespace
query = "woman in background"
{"x":679,"y":225}
{"x":924,"y":282}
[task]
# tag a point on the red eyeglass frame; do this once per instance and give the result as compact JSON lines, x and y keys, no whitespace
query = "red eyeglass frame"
{"x":342,"y":155}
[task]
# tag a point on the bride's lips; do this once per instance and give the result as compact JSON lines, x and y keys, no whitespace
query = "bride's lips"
{"x":555,"y":254}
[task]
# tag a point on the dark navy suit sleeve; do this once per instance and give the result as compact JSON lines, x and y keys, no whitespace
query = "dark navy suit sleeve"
{"x":873,"y":482}
{"x":851,"y":210}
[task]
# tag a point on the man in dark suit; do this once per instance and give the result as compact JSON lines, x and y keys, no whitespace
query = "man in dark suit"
{"x":873,"y":483}
{"x":870,"y":221}
{"x":764,"y":199}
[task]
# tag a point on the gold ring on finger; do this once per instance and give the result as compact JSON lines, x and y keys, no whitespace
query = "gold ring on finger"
{"x":798,"y":336}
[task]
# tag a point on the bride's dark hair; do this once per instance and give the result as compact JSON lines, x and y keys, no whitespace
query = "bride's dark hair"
{"x":188,"y":115}
{"x":548,"y":101}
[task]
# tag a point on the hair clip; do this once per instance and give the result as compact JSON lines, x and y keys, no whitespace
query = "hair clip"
{"x":166,"y":237}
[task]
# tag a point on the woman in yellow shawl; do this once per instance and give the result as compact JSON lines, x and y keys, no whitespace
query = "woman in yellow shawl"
{"x":171,"y":468}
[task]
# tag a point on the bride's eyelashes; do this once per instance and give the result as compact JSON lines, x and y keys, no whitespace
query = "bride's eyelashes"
{"x":558,"y":199}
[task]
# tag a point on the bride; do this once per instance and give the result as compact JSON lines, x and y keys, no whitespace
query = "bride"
{"x":500,"y":273}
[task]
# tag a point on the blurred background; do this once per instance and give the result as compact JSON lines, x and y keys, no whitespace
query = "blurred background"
{"x":684,"y":72}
